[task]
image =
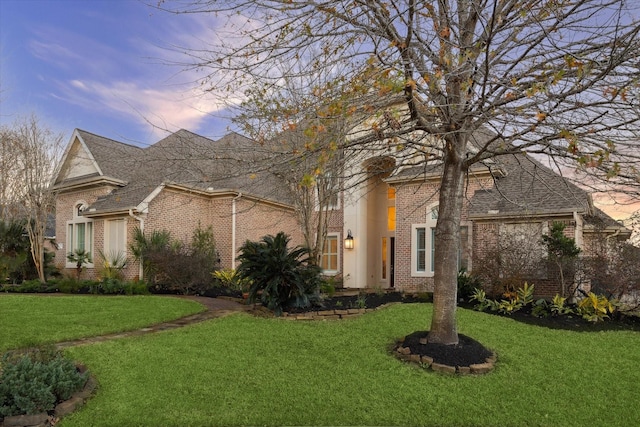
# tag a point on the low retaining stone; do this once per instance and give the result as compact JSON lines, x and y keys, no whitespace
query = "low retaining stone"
{"x":426,"y":362}
{"x":332,"y":314}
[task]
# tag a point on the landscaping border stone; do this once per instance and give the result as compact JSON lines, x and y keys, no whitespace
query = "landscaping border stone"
{"x":77,"y":400}
{"x":336,"y":314}
{"x":426,"y":362}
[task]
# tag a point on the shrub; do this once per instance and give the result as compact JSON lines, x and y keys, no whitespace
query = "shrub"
{"x":467,"y":284}
{"x":69,"y":285}
{"x":170,"y":265}
{"x":562,"y":253}
{"x":480,"y":297}
{"x":280,"y":277}
{"x":559,"y":306}
{"x":229,"y":278}
{"x":111,"y":265}
{"x":596,"y":308}
{"x":540,"y":308}
{"x":513,"y":301}
{"x":516,"y":256}
{"x":33,"y":383}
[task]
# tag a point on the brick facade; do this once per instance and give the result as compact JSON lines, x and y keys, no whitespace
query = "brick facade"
{"x":180,"y":213}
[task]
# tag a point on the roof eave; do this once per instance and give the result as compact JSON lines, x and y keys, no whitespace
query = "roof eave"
{"x":88,"y":182}
{"x":520,"y":215}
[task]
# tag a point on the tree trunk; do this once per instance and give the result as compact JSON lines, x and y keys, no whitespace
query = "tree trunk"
{"x":447,"y":244}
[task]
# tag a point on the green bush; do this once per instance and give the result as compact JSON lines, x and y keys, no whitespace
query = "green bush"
{"x":559,"y":306}
{"x":467,"y":284}
{"x":540,"y":308}
{"x":280,"y":277}
{"x":35,"y":382}
{"x":30,"y":286}
{"x":513,"y":301}
{"x":595,"y":308}
{"x":229,"y":278}
{"x":174,"y":266}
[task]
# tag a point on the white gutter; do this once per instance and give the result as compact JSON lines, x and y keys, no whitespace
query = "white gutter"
{"x":141,"y":221}
{"x":233,"y":230}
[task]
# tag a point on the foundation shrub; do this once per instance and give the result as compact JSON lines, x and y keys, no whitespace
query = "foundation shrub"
{"x":596,"y":308}
{"x":467,"y":283}
{"x":517,"y":257}
{"x":172,"y":266}
{"x":279,"y":277}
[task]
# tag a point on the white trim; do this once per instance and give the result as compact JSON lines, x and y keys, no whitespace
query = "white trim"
{"x":71,"y":240}
{"x":414,"y":251}
{"x":324,"y":248}
{"x":143,"y":207}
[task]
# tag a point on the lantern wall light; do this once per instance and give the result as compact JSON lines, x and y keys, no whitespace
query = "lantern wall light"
{"x":348,"y":242}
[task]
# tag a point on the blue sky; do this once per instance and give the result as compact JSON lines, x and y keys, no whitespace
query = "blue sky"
{"x":102,"y":66}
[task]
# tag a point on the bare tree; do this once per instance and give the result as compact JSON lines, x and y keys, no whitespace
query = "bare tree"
{"x":301,"y":149}
{"x":35,"y":150}
{"x":557,"y":78}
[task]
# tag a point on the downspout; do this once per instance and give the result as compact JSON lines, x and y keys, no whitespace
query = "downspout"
{"x":233,"y":230}
{"x":141,"y":221}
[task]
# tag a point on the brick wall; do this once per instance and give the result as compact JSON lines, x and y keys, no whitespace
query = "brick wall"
{"x":412,"y":202}
{"x":485,"y":241}
{"x":65,"y":207}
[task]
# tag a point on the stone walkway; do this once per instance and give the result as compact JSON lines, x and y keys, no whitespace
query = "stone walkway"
{"x":215,"y":308}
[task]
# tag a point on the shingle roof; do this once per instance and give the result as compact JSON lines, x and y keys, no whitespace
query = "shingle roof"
{"x":116,"y":159}
{"x":528,"y":188}
{"x":183,"y":158}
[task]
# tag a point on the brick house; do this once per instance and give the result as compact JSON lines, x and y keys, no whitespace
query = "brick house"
{"x":107,"y":188}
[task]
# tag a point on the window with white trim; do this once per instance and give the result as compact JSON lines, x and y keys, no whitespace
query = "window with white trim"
{"x":423,"y":245}
{"x":330,"y":259}
{"x":115,"y":237}
{"x":79,"y":234}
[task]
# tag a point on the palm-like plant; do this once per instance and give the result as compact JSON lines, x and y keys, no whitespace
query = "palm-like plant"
{"x":279,"y":276}
{"x":79,"y":257}
{"x":145,"y":247}
{"x":111,"y":265}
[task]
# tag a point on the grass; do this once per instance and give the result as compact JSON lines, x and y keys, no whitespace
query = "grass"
{"x":242,"y":370}
{"x":29,"y":320}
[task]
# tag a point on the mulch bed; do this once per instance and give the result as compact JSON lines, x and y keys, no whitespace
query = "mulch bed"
{"x":468,"y":351}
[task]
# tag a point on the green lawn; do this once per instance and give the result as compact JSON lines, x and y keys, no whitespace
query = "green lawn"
{"x":242,"y":370}
{"x":29,"y":320}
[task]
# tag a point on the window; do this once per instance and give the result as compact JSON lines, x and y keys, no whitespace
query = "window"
{"x":329,"y":260}
{"x":423,"y":245}
{"x":421,"y":249}
{"x":115,"y":237}
{"x":391,"y":193}
{"x":79,"y":233}
{"x":391,"y":218}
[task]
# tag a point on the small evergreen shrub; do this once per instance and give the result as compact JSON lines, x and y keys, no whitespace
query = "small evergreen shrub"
{"x":34,"y":382}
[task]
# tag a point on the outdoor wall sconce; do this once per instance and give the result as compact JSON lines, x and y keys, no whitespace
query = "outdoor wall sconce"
{"x":348,"y":242}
